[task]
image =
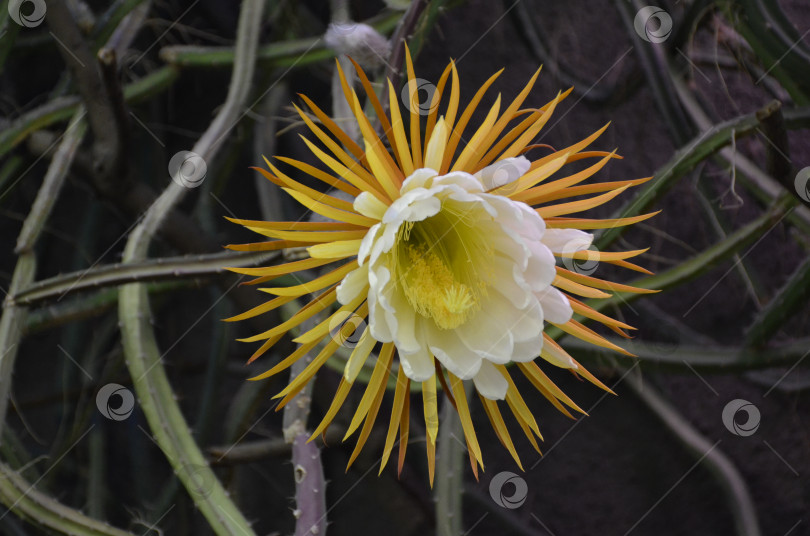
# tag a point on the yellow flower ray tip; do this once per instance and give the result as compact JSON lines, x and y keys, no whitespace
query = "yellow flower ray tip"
{"x":439,"y":242}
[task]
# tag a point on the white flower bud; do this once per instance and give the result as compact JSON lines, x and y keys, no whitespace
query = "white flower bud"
{"x":360,"y":41}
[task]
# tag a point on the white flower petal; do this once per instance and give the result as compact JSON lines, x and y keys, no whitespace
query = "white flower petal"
{"x":377,"y":321}
{"x":352,"y":285}
{"x":368,"y":242}
{"x":418,"y":179}
{"x":368,"y":205}
{"x":567,"y":240}
{"x":490,"y":383}
{"x":419,"y":365}
{"x":503,"y":172}
{"x":556,"y":307}
{"x":526,"y":351}
{"x":540,"y":269}
{"x":447,"y":347}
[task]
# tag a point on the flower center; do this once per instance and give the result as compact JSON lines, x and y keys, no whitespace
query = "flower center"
{"x":435,"y":261}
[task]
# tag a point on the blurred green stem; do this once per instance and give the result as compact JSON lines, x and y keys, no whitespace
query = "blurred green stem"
{"x":187,"y":266}
{"x":140,"y":346}
{"x":46,"y":512}
{"x":450,"y":471}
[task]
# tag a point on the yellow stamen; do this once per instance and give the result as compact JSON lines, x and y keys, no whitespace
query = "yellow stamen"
{"x":432,"y":289}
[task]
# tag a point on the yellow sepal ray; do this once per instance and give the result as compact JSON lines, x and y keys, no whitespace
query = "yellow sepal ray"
{"x":513,"y":398}
{"x":580,"y":205}
{"x":282,"y":180}
{"x":404,"y":427}
{"x":572,"y":149}
{"x":431,"y":408}
{"x":542,"y":382}
{"x":317,"y":305}
{"x":465,"y":162}
{"x":352,"y":164}
{"x":436,"y":147}
{"x":287,"y":362}
{"x":528,"y":195}
{"x":458,"y":129}
{"x":413,"y":92}
{"x":494,"y":414}
{"x":583,"y":189}
{"x":329,"y":211}
{"x":585,"y":223}
{"x":533,"y":177}
{"x":379,"y":379}
{"x":261,"y":309}
{"x":457,"y":386}
{"x":606,"y":256}
{"x":582,"y":371}
{"x":282,"y":269}
{"x":342,"y":171}
{"x":377,"y":105}
{"x":400,"y":394}
{"x":298,"y":225}
{"x":359,"y":356}
{"x":509,"y":113}
{"x":574,"y":328}
{"x":311,"y":236}
{"x":399,"y":131}
{"x":335,"y":250}
{"x":373,"y":409}
{"x":588,"y":312}
{"x":323,"y":328}
{"x":321,"y":175}
{"x":433,"y":113}
{"x":329,"y":123}
{"x":316,"y":284}
{"x":519,"y":129}
{"x":560,"y":281}
{"x":601,"y":283}
{"x":300,"y":381}
{"x":337,"y":402}
{"x":523,"y":140}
